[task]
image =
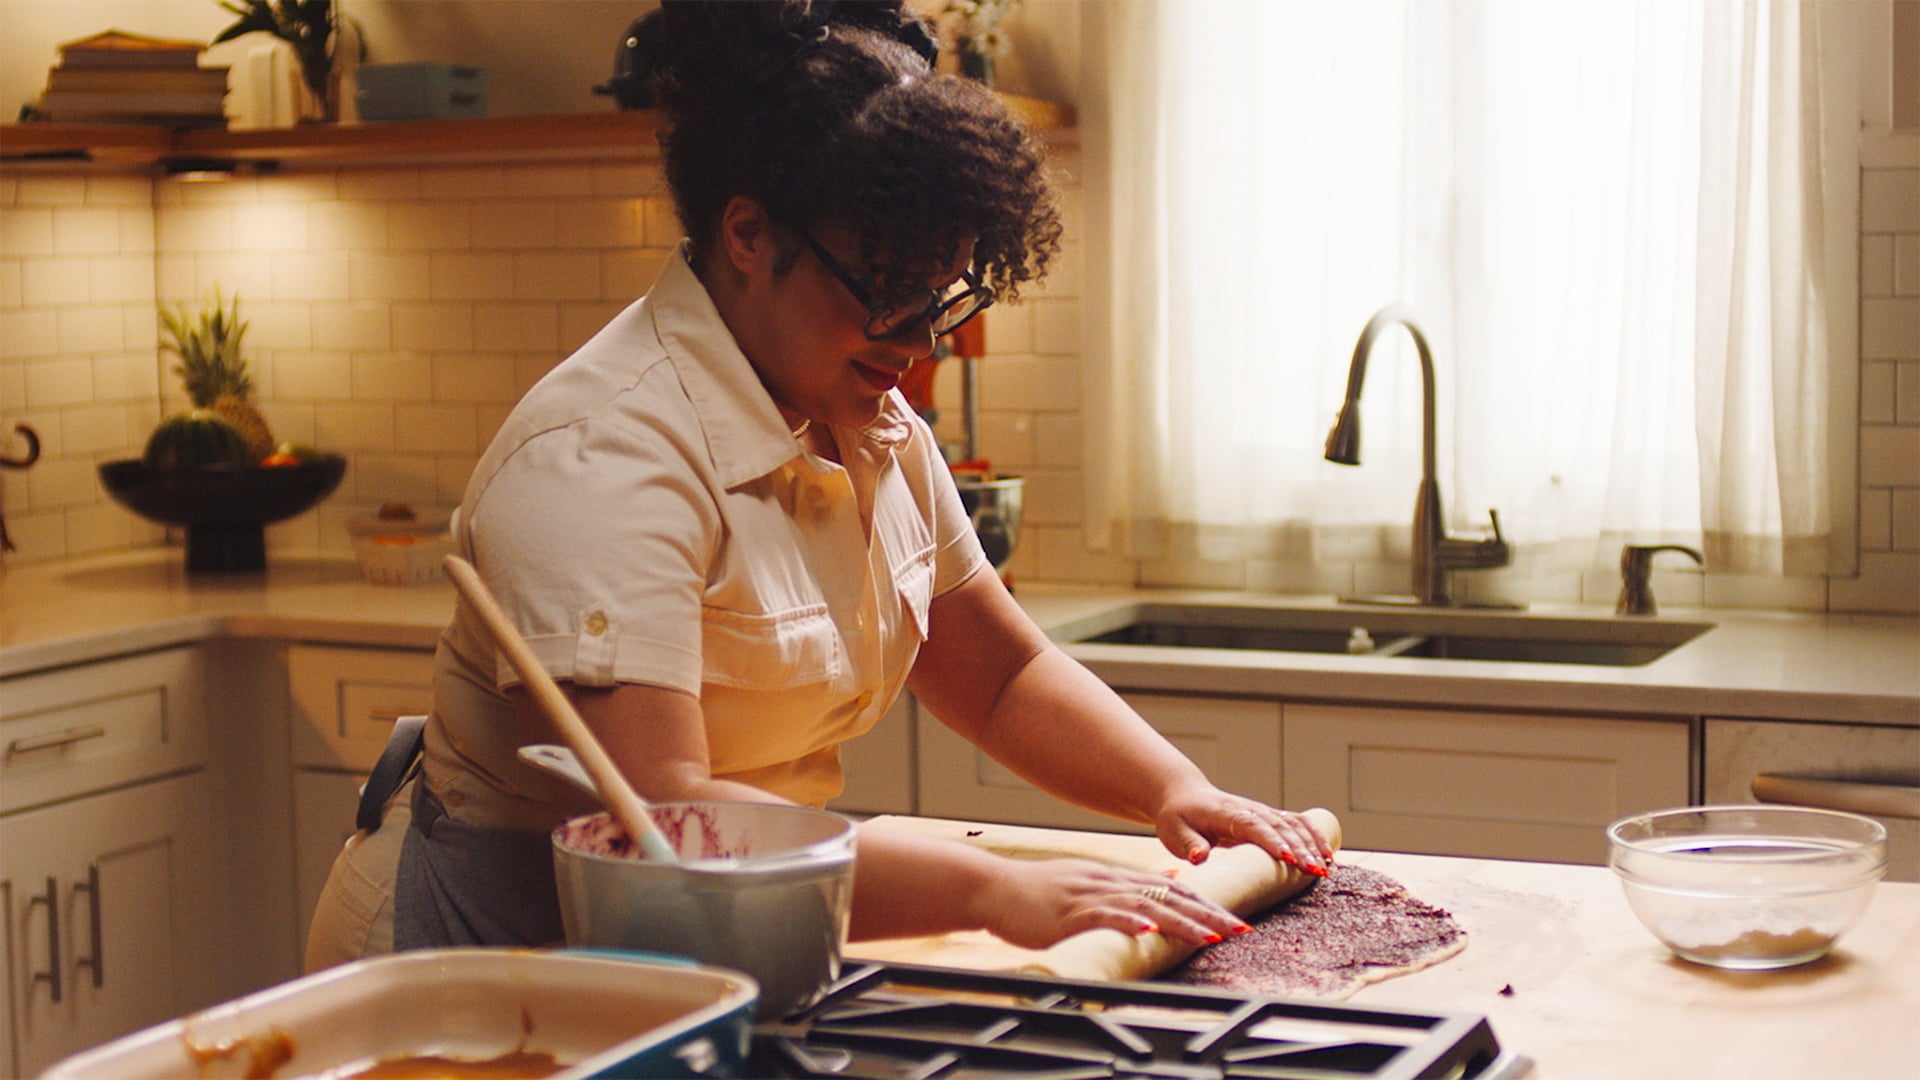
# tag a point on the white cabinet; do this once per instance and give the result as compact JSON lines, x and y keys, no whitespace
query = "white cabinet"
{"x":1235,"y":741}
{"x":345,"y":701}
{"x":107,"y":927}
{"x":95,"y":726}
{"x":878,"y":766}
{"x":1860,"y":768}
{"x":107,"y":854}
{"x":1493,"y":785}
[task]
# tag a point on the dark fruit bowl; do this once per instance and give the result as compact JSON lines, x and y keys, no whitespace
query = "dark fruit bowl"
{"x":225,"y":509}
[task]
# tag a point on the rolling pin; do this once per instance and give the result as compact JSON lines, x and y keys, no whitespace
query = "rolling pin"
{"x":1243,"y":879}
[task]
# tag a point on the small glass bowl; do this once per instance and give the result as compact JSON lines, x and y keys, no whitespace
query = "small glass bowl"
{"x":1748,"y":887}
{"x":405,"y":549}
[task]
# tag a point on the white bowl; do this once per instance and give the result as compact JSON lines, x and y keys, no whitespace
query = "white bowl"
{"x":1748,"y":887}
{"x":763,"y":888}
{"x":401,"y":550}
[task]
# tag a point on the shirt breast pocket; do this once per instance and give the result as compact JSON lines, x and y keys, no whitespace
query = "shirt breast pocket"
{"x":914,"y":580}
{"x":769,"y":652}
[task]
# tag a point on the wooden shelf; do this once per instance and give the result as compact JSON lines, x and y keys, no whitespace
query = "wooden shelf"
{"x":608,"y":136}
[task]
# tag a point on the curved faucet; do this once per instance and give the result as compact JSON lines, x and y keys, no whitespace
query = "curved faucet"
{"x":1435,"y":554}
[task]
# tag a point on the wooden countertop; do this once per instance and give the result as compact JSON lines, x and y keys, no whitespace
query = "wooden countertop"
{"x":1593,"y":994}
{"x":1839,"y":668}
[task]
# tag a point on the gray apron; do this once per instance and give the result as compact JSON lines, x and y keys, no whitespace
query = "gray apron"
{"x":462,"y":885}
{"x":457,"y":884}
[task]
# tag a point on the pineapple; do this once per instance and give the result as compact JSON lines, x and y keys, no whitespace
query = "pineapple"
{"x":211,"y":368}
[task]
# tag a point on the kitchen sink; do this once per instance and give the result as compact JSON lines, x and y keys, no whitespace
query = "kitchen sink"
{"x":1436,"y":634}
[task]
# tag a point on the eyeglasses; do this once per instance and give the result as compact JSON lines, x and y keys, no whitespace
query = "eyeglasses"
{"x":943,"y":310}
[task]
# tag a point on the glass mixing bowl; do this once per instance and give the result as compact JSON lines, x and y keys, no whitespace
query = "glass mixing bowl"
{"x":1748,"y":887}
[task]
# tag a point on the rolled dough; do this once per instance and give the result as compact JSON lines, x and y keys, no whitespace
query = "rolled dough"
{"x":1243,"y":879}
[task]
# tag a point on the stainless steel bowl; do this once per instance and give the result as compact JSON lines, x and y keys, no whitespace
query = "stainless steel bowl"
{"x":762,"y":888}
{"x":1748,"y":887}
{"x":994,"y":506}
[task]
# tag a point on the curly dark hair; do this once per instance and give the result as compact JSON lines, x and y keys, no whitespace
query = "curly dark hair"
{"x":828,"y":113}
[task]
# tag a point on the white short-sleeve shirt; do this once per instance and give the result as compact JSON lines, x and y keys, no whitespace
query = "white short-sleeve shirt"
{"x":645,"y":516}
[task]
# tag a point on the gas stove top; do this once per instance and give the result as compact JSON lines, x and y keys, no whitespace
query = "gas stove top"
{"x":886,"y":1021}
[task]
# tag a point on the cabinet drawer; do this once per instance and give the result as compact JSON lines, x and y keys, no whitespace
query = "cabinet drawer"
{"x":1502,"y":786}
{"x":81,"y":729}
{"x":1739,"y":752}
{"x":1235,"y":742}
{"x":345,"y":701}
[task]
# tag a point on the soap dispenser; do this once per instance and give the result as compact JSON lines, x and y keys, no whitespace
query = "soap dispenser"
{"x":1636,"y":574}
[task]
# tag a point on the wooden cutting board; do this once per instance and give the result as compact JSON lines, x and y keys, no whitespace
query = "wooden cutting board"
{"x":1243,"y":879}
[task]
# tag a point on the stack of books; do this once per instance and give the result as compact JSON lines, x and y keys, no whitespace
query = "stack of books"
{"x":117,"y":77}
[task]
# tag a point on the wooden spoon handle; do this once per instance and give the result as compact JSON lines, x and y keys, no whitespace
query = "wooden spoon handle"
{"x":628,"y":808}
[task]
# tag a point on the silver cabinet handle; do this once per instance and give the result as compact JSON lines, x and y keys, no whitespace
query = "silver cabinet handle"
{"x":1855,"y":796}
{"x":51,"y":976}
{"x":95,"y":962}
{"x":55,"y":739}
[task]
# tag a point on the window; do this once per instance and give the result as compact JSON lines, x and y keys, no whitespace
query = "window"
{"x":1606,"y":216}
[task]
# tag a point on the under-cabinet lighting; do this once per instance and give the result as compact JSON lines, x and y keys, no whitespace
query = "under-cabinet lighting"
{"x":200,"y":170}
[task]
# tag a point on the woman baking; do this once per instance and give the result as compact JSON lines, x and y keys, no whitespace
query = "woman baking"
{"x":725,"y":533}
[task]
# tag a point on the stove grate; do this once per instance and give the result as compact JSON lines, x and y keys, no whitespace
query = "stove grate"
{"x":895,"y":1021}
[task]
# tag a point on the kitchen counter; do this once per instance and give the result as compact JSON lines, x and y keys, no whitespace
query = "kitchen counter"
{"x":1591,"y":992}
{"x":1841,"y":668}
{"x":1766,"y":665}
{"x":89,"y":609}
{"x":1594,"y":994}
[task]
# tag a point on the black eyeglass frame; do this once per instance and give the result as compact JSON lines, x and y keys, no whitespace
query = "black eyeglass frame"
{"x":880,"y":325}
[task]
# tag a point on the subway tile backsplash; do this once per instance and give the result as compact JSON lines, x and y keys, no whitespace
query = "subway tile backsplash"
{"x":397,"y":314}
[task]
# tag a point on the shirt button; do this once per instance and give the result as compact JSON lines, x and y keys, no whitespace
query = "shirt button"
{"x":596,"y":623}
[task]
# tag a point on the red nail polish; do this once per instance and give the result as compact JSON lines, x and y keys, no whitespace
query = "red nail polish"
{"x":1148,"y":926}
{"x":1214,"y":939}
{"x":1243,"y":928}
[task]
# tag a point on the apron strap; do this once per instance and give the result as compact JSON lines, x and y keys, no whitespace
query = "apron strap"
{"x":403,"y":749}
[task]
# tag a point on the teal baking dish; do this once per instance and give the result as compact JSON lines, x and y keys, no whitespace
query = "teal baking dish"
{"x":568,"y":1015}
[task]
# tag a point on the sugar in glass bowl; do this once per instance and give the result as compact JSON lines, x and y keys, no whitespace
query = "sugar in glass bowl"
{"x":1748,"y":887}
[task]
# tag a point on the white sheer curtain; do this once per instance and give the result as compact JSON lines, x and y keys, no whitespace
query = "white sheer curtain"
{"x":1603,"y":214}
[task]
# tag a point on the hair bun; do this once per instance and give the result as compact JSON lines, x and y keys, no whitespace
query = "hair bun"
{"x":725,"y":48}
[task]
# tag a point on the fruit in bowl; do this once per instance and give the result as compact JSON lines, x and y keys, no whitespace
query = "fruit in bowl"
{"x":224,"y":508}
{"x":215,"y":469}
{"x":212,"y":370}
{"x":1748,"y":887}
{"x":197,"y":439}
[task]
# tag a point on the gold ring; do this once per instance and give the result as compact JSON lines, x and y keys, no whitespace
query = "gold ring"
{"x":1156,"y":894}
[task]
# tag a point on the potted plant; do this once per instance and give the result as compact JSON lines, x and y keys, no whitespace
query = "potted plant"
{"x":977,"y":34}
{"x":314,"y":29}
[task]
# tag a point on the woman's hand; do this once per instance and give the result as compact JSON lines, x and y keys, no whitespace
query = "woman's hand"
{"x":1191,"y":824}
{"x":1035,"y":903}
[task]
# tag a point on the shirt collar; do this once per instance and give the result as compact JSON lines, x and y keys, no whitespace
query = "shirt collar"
{"x":747,"y":437}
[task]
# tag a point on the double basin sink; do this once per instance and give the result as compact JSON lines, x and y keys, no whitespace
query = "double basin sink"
{"x":1413,"y":632}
